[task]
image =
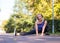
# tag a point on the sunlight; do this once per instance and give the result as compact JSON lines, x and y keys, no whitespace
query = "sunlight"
{"x":6,"y":7}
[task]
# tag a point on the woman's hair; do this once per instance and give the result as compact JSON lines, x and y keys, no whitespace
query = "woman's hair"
{"x":39,"y":14}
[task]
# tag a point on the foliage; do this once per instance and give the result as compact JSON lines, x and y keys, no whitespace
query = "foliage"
{"x":25,"y":12}
{"x":20,"y":22}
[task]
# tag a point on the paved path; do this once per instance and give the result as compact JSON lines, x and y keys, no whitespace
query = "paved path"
{"x":8,"y":38}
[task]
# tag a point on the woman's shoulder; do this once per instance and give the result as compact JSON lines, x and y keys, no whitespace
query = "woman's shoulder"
{"x":45,"y":21}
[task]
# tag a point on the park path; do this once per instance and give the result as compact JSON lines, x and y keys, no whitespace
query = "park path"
{"x":9,"y":38}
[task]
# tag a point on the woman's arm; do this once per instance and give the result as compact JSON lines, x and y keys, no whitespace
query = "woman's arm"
{"x":43,"y":29}
{"x":36,"y":27}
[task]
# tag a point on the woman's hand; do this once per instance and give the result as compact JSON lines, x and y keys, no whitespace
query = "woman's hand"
{"x":37,"y":34}
{"x":42,"y":34}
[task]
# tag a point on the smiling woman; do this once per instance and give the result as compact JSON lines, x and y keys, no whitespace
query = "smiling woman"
{"x":6,"y":9}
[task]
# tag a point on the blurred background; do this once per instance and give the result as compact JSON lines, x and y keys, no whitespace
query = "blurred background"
{"x":21,"y":14}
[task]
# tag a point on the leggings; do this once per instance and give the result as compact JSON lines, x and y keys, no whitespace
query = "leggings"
{"x":33,"y":32}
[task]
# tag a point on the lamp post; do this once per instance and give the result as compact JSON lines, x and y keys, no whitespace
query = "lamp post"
{"x":15,"y":26}
{"x":52,"y":16}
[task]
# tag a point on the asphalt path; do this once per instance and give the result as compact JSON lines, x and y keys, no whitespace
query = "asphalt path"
{"x":9,"y":38}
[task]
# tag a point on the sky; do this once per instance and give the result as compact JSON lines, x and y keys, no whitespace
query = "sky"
{"x":6,"y":7}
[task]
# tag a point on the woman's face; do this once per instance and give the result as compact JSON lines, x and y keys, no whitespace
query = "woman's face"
{"x":39,"y":17}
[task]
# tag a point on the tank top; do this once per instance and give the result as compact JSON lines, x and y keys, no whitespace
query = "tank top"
{"x":40,"y":25}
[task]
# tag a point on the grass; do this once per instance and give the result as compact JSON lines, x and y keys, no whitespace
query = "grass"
{"x":55,"y":34}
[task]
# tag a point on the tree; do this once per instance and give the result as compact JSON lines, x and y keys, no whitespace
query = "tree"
{"x":25,"y":12}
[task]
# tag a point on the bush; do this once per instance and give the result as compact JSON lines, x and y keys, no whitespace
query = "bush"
{"x":56,"y":25}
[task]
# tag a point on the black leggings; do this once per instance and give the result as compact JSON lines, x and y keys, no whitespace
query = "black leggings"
{"x":33,"y":32}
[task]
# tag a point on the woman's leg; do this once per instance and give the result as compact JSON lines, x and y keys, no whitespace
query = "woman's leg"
{"x":29,"y":33}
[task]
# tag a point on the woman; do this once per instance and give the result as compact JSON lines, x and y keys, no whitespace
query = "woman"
{"x":40,"y":26}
